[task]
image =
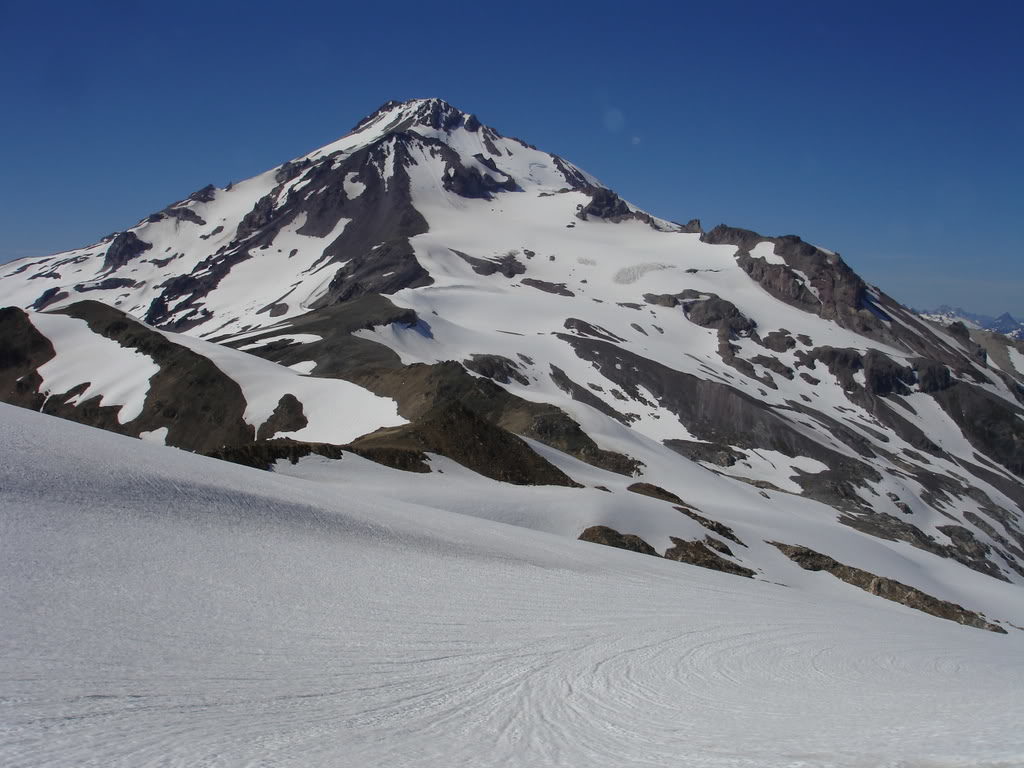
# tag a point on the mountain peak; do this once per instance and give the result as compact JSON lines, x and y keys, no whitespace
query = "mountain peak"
{"x":425,"y":112}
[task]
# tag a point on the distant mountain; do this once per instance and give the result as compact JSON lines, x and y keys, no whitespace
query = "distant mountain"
{"x":427,"y":293}
{"x":1005,"y":324}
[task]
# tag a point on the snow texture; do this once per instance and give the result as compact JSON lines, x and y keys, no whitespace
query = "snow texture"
{"x":165,"y":609}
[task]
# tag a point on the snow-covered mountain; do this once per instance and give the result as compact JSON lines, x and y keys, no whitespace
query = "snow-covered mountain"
{"x":1005,"y":323}
{"x":438,"y":298}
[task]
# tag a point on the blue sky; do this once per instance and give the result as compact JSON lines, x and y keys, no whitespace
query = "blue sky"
{"x":891,"y":132}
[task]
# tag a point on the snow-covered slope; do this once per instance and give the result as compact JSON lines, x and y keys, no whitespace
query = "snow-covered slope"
{"x":161,"y":608}
{"x":462,"y":290}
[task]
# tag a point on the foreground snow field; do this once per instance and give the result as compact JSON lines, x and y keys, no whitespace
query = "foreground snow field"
{"x":163,"y":609}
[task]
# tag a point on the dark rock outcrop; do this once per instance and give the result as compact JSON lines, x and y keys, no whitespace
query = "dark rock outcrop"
{"x":713,"y":453}
{"x":122,"y":249}
{"x":507,"y":265}
{"x":604,"y":204}
{"x":288,"y":416}
{"x":655,"y":492}
{"x":602,"y":534}
{"x":265,"y":453}
{"x":890,"y":589}
{"x":453,"y":430}
{"x":201,"y":408}
{"x":698,"y":553}
{"x":558,"y":289}
{"x":497,"y":368}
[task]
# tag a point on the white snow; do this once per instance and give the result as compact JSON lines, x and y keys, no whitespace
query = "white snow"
{"x":766,"y":250}
{"x":167,"y":609}
{"x":353,"y":187}
{"x":305,"y":367}
{"x":1016,"y":358}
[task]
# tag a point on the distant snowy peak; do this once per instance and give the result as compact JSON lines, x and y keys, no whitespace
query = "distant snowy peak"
{"x":434,"y":122}
{"x":1005,"y":323}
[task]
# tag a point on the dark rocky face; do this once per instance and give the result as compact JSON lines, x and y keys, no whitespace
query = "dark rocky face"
{"x":123,"y":248}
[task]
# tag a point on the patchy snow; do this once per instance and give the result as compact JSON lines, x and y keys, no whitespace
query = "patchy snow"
{"x":122,"y":379}
{"x":158,"y":436}
{"x":286,"y":338}
{"x":337,"y":410}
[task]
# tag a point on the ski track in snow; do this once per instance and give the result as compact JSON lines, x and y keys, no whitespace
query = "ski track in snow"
{"x":162,"y":609}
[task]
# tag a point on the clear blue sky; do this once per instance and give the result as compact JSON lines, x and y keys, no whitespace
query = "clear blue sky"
{"x":892,"y":132}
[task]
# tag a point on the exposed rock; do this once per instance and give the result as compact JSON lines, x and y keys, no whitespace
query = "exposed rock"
{"x":604,"y":204}
{"x":990,"y":423}
{"x":968,"y":550}
{"x":698,"y":553}
{"x":106,"y":285}
{"x":719,"y":546}
{"x":199,"y":405}
{"x":392,"y":267}
{"x":712,"y":525}
{"x":453,"y":430}
{"x":589,"y":329}
{"x":48,"y":297}
{"x":713,"y":453}
{"x":558,"y":289}
{"x":287,"y":417}
{"x":778,"y":341}
{"x":602,"y":534}
{"x":711,"y":311}
{"x":655,"y":492}
{"x":23,"y":349}
{"x":419,"y":387}
{"x":204,"y":195}
{"x":890,"y":589}
{"x":720,"y":414}
{"x":265,"y":453}
{"x":578,"y":393}
{"x":773,"y":364}
{"x":496,"y":367}
{"x":122,"y":249}
{"x":507,"y":265}
{"x":182,"y":213}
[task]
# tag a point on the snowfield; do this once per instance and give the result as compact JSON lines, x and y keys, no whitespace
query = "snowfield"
{"x":163,"y":609}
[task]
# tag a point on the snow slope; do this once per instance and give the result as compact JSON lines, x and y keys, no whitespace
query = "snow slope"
{"x":163,"y":609}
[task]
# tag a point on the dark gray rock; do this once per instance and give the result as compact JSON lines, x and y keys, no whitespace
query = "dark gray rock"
{"x":558,"y":289}
{"x":890,"y":589}
{"x":497,"y":368}
{"x":507,"y":265}
{"x":698,"y":553}
{"x":609,"y":537}
{"x":655,"y":492}
{"x":122,"y":249}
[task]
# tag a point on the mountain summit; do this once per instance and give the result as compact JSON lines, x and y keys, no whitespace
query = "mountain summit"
{"x":431,"y":295}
